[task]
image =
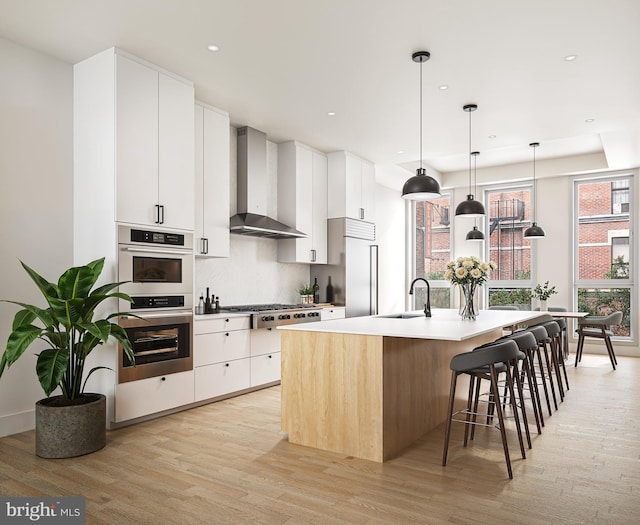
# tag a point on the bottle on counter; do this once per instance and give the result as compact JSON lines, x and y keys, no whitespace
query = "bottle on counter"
{"x":200,"y":307}
{"x":208,"y":309}
{"x":330,"y":297}
{"x":217,"y":305}
{"x":316,"y":291}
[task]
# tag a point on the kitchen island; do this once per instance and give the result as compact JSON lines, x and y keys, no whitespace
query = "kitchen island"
{"x":369,"y":387}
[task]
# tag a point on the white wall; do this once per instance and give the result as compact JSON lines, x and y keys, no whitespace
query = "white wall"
{"x":36,"y":168}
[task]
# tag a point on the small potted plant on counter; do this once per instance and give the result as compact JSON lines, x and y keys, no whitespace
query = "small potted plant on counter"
{"x":306,"y":293}
{"x":73,"y":423}
{"x":542,"y":293}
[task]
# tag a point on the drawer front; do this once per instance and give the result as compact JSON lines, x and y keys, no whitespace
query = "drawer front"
{"x":220,"y":346}
{"x":265,"y":369}
{"x":338,"y":312}
{"x":221,"y":324}
{"x":155,"y":394}
{"x":221,"y":378}
{"x":265,"y":341}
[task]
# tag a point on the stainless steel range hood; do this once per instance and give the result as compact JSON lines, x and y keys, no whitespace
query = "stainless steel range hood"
{"x":252,"y":218}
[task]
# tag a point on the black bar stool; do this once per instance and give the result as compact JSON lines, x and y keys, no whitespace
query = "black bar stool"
{"x":528,"y":346}
{"x":484,"y":363}
{"x":545,"y":377}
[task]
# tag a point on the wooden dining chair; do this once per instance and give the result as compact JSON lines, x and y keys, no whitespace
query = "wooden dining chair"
{"x":598,"y":327}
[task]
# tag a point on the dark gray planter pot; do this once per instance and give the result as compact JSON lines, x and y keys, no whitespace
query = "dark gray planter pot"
{"x":66,"y":431}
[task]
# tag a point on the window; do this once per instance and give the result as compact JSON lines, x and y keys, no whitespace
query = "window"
{"x":509,"y":215}
{"x":604,"y":261}
{"x":433,"y":250}
{"x":620,"y":196}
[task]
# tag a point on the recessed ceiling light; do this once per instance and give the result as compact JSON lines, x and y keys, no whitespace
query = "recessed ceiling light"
{"x":589,"y":120}
{"x":492,"y":136}
{"x":569,"y":58}
{"x":443,"y":87}
{"x":332,"y":113}
{"x":213,"y":47}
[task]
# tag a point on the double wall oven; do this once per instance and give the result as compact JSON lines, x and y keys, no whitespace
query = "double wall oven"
{"x":158,"y":269}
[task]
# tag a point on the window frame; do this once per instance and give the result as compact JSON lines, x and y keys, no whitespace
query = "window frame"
{"x":508,"y":283}
{"x":411,"y":266}
{"x":630,"y":283}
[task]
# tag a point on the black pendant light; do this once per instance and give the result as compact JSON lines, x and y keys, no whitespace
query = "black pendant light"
{"x":470,"y":207}
{"x":534,"y":231}
{"x":475,"y":234}
{"x":421,"y":187}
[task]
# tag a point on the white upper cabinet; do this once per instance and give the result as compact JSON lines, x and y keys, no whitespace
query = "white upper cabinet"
{"x":211,"y":182}
{"x":154,"y":146}
{"x":352,"y":185}
{"x":302,"y":202}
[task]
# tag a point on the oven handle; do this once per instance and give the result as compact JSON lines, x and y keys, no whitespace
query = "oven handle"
{"x":155,"y":250}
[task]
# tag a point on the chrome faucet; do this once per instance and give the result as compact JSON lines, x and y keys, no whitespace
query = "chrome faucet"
{"x":427,"y":307}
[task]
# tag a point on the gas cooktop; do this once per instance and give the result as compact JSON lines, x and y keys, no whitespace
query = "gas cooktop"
{"x":265,"y":307}
{"x":272,"y":315}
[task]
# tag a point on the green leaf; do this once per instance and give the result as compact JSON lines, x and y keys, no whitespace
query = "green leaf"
{"x":48,"y":289}
{"x":51,"y":366}
{"x":22,"y":317}
{"x":43,"y":315}
{"x":19,"y":340}
{"x":121,"y":336}
{"x":77,"y":282}
{"x":94,"y":369}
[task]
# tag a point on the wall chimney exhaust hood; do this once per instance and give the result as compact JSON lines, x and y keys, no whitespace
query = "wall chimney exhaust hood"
{"x":252,"y":218}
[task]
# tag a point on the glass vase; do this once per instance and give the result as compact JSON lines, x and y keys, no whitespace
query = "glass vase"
{"x":468,"y":301}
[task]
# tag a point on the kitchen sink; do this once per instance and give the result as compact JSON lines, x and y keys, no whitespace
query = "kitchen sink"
{"x":402,"y":316}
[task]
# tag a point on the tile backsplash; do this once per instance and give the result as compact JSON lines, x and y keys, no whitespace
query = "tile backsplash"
{"x":251,"y":275}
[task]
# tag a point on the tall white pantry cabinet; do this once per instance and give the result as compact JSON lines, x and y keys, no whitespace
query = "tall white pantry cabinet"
{"x":134,"y":163}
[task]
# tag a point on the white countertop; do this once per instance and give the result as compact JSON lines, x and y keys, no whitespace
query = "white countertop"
{"x":221,"y":315}
{"x":445,"y":324}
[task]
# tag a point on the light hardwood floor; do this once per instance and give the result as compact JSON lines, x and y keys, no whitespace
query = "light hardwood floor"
{"x":228,"y":462}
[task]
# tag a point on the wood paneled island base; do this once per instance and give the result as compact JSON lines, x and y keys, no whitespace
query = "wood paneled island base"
{"x":368,"y":396}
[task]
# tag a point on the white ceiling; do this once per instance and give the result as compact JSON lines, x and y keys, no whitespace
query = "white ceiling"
{"x":284,"y":64}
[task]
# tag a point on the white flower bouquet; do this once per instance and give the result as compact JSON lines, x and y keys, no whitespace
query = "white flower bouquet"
{"x":468,"y":270}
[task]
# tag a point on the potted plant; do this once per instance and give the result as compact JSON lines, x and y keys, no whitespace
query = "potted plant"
{"x":306,"y":292}
{"x":72,"y":423}
{"x":542,"y":293}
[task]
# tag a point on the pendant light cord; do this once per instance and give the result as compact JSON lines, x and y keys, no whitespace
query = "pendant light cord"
{"x":470,"y":152}
{"x":535,"y":196}
{"x":421,"y":165}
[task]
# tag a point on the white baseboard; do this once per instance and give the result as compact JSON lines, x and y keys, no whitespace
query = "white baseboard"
{"x":16,"y":423}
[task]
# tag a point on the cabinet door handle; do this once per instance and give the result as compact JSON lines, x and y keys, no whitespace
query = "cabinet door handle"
{"x":269,"y":357}
{"x":204,"y":249}
{"x":159,"y":214}
{"x":163,"y":379}
{"x":226,"y":364}
{"x":362,"y":213}
{"x":313,"y":256}
{"x":227,"y":334}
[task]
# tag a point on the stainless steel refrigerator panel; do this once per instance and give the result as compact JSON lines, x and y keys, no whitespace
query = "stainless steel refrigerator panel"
{"x":352,"y":266}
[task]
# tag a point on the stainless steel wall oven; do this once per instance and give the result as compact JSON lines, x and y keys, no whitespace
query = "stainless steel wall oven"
{"x":162,"y":344}
{"x":158,"y":266}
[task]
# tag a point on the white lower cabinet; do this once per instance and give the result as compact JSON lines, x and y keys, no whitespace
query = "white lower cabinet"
{"x":221,"y":356}
{"x":155,"y":394}
{"x":333,"y":312}
{"x":265,"y":356}
{"x":222,"y":378}
{"x":265,"y":369}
